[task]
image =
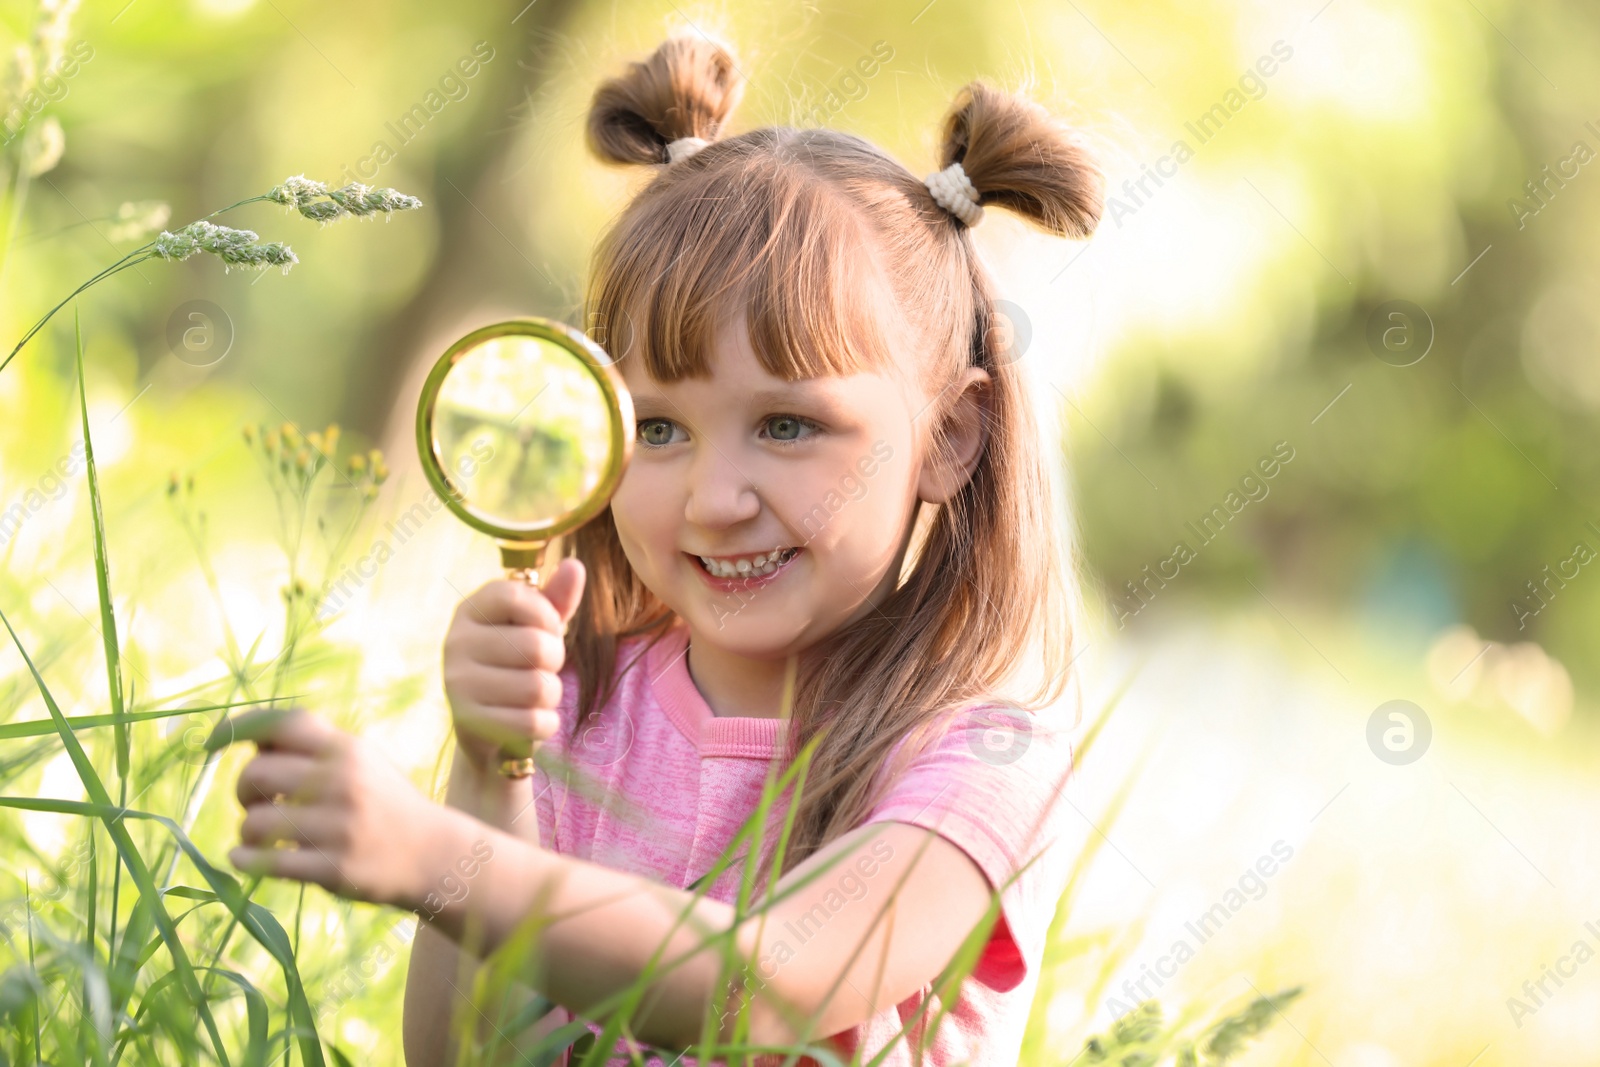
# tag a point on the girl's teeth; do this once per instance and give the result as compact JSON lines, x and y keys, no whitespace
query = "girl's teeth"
{"x":757,"y":567}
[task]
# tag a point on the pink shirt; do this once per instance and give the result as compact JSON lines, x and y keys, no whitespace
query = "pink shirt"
{"x":695,"y":778}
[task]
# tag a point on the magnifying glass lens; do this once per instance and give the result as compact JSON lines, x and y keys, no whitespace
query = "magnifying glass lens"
{"x":522,"y":430}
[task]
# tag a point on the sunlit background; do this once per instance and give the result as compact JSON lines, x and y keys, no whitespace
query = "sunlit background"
{"x":1350,"y":244}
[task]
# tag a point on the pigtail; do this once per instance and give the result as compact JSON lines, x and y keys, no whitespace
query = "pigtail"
{"x":1019,"y":156}
{"x":686,"y":88}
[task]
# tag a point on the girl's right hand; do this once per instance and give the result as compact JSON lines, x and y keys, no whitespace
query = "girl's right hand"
{"x":501,"y":659}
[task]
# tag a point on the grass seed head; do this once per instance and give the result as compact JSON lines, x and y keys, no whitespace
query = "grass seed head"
{"x":236,"y":248}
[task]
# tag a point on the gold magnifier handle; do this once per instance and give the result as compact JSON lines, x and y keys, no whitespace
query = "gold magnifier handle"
{"x":522,"y":560}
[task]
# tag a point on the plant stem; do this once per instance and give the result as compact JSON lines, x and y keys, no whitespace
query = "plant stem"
{"x":125,"y":262}
{"x":138,"y":255}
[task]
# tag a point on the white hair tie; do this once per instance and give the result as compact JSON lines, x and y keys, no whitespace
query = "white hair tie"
{"x":684,"y":147}
{"x":955,"y":193}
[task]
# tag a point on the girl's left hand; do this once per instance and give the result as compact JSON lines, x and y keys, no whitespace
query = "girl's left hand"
{"x":352,"y":821}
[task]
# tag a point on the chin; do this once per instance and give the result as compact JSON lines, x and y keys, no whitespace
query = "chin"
{"x":745,"y":634}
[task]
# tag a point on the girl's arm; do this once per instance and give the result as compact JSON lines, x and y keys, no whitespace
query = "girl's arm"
{"x":879,"y":923}
{"x":502,"y":658}
{"x":441,"y":974}
{"x":871,"y":930}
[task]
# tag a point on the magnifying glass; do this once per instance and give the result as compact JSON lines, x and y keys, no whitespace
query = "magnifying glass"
{"x":524,"y":429}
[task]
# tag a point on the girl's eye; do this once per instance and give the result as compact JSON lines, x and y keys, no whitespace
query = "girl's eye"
{"x":783,"y":429}
{"x":656,"y":432}
{"x":788,"y":428}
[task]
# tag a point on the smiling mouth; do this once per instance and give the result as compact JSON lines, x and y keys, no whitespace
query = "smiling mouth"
{"x":756,"y":566}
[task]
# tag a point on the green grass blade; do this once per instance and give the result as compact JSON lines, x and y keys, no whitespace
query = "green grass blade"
{"x":41,"y":727}
{"x":260,"y":923}
{"x":102,"y":575}
{"x":125,"y":847}
{"x":91,"y":891}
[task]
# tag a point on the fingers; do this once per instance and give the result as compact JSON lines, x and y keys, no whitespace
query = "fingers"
{"x":267,"y":824}
{"x":525,"y":647}
{"x":274,"y":774}
{"x":303,"y":865}
{"x":565,"y":588}
{"x":506,"y":602}
{"x":508,"y":687}
{"x":289,"y":729}
{"x":248,"y":725}
{"x":511,"y":729}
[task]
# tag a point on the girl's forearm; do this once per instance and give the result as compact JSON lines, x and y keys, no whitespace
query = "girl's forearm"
{"x":431,"y":998}
{"x":440,"y":975}
{"x":597,"y":929}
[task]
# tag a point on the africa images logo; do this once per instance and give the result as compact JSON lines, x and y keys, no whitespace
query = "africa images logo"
{"x":1000,"y":735}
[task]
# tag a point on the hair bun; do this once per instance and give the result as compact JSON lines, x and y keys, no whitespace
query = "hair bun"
{"x":687,"y":88}
{"x":1019,"y":156}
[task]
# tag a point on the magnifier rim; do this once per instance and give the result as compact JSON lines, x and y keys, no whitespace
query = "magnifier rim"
{"x":612,"y":388}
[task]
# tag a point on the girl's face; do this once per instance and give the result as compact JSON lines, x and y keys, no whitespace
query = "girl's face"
{"x":768,"y":513}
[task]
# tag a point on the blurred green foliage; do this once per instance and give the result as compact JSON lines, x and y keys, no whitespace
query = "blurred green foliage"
{"x":1425,"y":152}
{"x":1375,"y":163}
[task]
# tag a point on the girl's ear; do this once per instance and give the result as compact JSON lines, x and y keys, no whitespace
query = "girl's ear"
{"x":958,"y":441}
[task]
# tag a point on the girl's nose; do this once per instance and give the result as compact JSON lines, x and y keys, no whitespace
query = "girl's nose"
{"x":720,"y":494}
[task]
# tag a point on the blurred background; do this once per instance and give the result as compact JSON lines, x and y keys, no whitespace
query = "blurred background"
{"x":1324,"y":387}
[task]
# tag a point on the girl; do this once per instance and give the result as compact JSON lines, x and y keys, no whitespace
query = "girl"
{"x":835,"y":484}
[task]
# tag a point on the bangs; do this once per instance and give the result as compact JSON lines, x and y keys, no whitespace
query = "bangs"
{"x":742,"y":231}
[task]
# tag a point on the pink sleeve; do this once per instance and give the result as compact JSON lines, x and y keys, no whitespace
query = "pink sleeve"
{"x":992,"y":783}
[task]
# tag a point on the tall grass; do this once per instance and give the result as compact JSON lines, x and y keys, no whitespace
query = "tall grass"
{"x":190,"y":966}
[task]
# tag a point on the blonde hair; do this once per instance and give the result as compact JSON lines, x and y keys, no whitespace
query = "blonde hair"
{"x":798,"y":230}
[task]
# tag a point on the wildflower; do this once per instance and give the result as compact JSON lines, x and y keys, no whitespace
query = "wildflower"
{"x":249,"y":435}
{"x":269,"y":442}
{"x":291,"y":435}
{"x":302,"y":459}
{"x":357,"y":464}
{"x":314,"y":439}
{"x":331,"y":437}
{"x":172,"y":484}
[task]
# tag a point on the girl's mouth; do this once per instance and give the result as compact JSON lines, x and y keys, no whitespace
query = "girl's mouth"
{"x":744,"y":572}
